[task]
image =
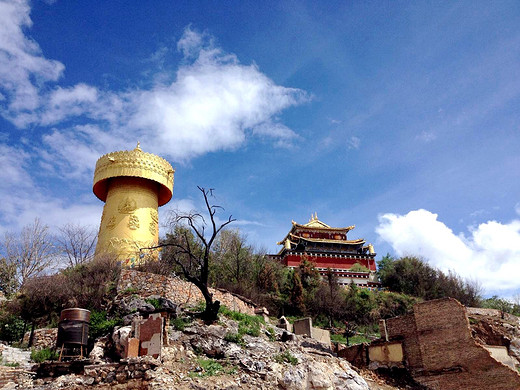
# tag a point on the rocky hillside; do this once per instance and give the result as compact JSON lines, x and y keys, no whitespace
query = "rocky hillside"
{"x":242,"y":353}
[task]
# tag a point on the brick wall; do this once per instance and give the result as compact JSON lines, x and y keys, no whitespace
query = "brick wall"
{"x":177,"y":290}
{"x":440,"y":352}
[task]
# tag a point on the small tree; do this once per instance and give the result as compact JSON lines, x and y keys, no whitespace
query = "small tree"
{"x":31,"y":252}
{"x":296,"y":299}
{"x":190,"y":249}
{"x":76,"y":243}
{"x":8,"y":282}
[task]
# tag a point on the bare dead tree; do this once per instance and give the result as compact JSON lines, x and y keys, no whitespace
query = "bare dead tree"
{"x":190,"y":248}
{"x":76,"y":243}
{"x":31,"y":252}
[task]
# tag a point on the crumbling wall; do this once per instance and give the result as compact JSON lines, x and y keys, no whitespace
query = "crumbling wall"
{"x":403,"y":329}
{"x":440,"y":352}
{"x":177,"y":290}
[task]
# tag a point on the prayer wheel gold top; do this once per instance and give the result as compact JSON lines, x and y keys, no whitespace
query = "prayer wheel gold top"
{"x":134,"y":163}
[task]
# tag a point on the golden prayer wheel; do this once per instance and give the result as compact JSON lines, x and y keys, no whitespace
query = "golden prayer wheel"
{"x":133,"y":184}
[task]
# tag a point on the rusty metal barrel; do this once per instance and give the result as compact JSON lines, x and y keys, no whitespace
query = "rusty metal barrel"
{"x":73,"y":328}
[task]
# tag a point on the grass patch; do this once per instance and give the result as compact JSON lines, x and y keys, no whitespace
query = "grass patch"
{"x":338,"y":338}
{"x":130,"y":291}
{"x":235,"y":338}
{"x":247,"y":324}
{"x":210,"y":367}
{"x":270,"y":333}
{"x":41,"y":355}
{"x":9,"y":364}
{"x":286,"y":357}
{"x":358,"y":339}
{"x":180,"y":323}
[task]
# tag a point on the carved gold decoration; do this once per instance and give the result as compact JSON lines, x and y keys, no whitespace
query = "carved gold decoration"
{"x":154,"y":215}
{"x":127,"y":206}
{"x":111,"y":224}
{"x":133,"y":222}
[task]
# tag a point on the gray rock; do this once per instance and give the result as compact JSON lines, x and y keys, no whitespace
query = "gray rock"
{"x":167,"y":305}
{"x":293,"y":378}
{"x":129,"y":318}
{"x":98,"y":353}
{"x":135,"y":304}
{"x":120,"y":339}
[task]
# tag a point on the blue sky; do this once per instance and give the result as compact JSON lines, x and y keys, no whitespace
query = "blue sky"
{"x":401,"y":118}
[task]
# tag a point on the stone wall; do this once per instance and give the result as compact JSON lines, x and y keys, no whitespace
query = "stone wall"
{"x":177,"y":290}
{"x":440,"y":352}
{"x":43,"y":338}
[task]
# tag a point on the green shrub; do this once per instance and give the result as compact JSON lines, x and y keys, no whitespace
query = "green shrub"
{"x":41,"y":355}
{"x":100,"y":325}
{"x":154,"y":302}
{"x":234,"y":338}
{"x":179,"y":323}
{"x":198,"y":307}
{"x":286,"y":357}
{"x":11,"y":328}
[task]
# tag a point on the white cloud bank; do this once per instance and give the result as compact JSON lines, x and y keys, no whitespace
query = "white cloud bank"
{"x":490,"y":252}
{"x":214,"y":103}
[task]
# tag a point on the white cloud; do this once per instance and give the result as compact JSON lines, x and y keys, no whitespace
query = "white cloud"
{"x":215,"y":103}
{"x":490,"y":252}
{"x":22,"y":200}
{"x":23,"y":68}
{"x":212,"y":103}
{"x":427,"y":136}
{"x":353,"y":142}
{"x":192,"y":42}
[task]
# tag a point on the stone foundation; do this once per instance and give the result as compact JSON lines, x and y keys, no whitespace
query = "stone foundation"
{"x":177,"y":290}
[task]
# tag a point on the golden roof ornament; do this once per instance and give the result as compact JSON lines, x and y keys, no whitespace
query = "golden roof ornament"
{"x":134,"y":163}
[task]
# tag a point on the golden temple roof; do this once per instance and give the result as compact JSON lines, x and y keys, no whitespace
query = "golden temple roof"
{"x":315,"y":223}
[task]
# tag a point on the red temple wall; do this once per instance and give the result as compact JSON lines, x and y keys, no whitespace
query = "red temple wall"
{"x":330,"y":262}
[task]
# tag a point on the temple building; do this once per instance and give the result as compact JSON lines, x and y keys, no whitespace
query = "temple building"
{"x":328,"y":248}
